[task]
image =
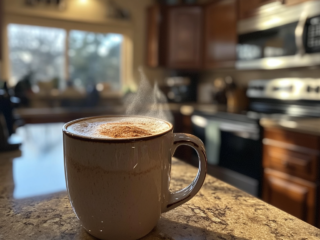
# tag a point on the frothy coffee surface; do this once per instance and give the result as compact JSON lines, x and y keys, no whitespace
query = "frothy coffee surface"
{"x":117,"y":127}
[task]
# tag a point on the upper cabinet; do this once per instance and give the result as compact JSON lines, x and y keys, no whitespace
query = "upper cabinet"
{"x":247,"y":8}
{"x":1,"y":29}
{"x":291,"y":2}
{"x":184,"y":37}
{"x":192,"y":37}
{"x":155,"y":33}
{"x":269,"y":1}
{"x":220,"y":37}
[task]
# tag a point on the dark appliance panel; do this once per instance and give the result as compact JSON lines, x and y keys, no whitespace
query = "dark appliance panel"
{"x":234,"y":148}
{"x":312,"y":35}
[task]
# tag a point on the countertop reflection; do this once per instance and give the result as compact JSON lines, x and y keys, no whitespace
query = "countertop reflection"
{"x":40,"y":169}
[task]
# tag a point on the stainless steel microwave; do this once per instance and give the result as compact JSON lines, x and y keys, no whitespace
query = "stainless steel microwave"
{"x":280,"y":37}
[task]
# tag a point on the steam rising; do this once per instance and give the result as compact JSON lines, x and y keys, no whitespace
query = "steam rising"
{"x":148,"y":101}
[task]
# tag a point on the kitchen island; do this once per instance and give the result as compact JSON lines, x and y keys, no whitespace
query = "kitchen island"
{"x":218,"y":211}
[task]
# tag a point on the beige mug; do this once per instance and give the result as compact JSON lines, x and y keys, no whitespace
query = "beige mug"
{"x":119,"y":187}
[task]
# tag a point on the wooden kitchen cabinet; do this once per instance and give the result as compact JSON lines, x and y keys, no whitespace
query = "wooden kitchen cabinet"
{"x":175,"y":36}
{"x":249,"y":8}
{"x":292,"y":2}
{"x":154,"y":34}
{"x":262,"y":2}
{"x":192,"y":37}
{"x":246,"y":8}
{"x":1,"y":29}
{"x":220,"y":34}
{"x":291,"y":172}
{"x":184,"y":31}
{"x":290,"y":161}
{"x":290,"y":194}
{"x":290,"y":138}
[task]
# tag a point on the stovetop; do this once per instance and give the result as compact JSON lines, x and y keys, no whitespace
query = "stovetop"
{"x":285,"y":89}
{"x":285,"y":98}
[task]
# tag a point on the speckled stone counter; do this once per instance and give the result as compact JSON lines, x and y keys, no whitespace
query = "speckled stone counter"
{"x":218,"y":211}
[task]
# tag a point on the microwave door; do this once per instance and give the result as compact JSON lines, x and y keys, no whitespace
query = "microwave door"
{"x":267,"y":49}
{"x":295,"y":44}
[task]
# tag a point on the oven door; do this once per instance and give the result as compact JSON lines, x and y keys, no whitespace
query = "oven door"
{"x":234,"y":149}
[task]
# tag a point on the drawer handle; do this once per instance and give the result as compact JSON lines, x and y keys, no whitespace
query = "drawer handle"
{"x":288,"y":164}
{"x":292,"y":164}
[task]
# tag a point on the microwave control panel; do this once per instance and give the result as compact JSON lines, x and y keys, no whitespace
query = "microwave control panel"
{"x":312,"y":35}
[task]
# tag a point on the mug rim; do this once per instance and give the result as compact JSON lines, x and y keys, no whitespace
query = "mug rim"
{"x":95,"y":139}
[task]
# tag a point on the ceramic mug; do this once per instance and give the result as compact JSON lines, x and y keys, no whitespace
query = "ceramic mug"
{"x":119,"y":187}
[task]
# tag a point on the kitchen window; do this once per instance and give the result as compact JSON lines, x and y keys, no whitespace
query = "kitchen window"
{"x":81,"y":57}
{"x":95,"y":58}
{"x":36,"y":49}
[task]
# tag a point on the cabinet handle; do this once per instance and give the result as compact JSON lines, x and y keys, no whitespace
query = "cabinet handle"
{"x":288,"y":164}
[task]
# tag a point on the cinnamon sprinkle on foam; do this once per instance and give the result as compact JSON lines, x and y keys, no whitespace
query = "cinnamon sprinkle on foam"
{"x":123,"y":130}
{"x":119,"y":127}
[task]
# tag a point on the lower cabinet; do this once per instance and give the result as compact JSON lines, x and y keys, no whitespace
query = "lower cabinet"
{"x":290,"y":194}
{"x":291,"y":173}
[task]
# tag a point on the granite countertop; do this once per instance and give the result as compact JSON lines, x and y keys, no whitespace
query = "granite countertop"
{"x":218,"y":211}
{"x":307,"y":125}
{"x":60,"y":114}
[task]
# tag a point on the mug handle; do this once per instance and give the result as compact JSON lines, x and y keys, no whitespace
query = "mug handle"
{"x":184,"y":195}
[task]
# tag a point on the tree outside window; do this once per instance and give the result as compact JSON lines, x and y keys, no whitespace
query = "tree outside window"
{"x":93,"y":57}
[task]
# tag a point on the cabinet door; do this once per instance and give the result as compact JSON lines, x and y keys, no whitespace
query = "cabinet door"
{"x":291,"y":161}
{"x":249,"y":8}
{"x":1,"y":29}
{"x":220,"y":34}
{"x":153,"y":36}
{"x":262,"y":2}
{"x":184,"y":32}
{"x":292,"y":2}
{"x":246,"y":8}
{"x":290,"y":194}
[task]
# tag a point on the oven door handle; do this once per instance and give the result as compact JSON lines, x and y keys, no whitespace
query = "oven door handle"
{"x":299,"y":33}
{"x":247,"y":133}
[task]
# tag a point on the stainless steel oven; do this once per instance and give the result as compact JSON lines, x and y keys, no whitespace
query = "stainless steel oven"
{"x":280,"y":37}
{"x":233,"y":146}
